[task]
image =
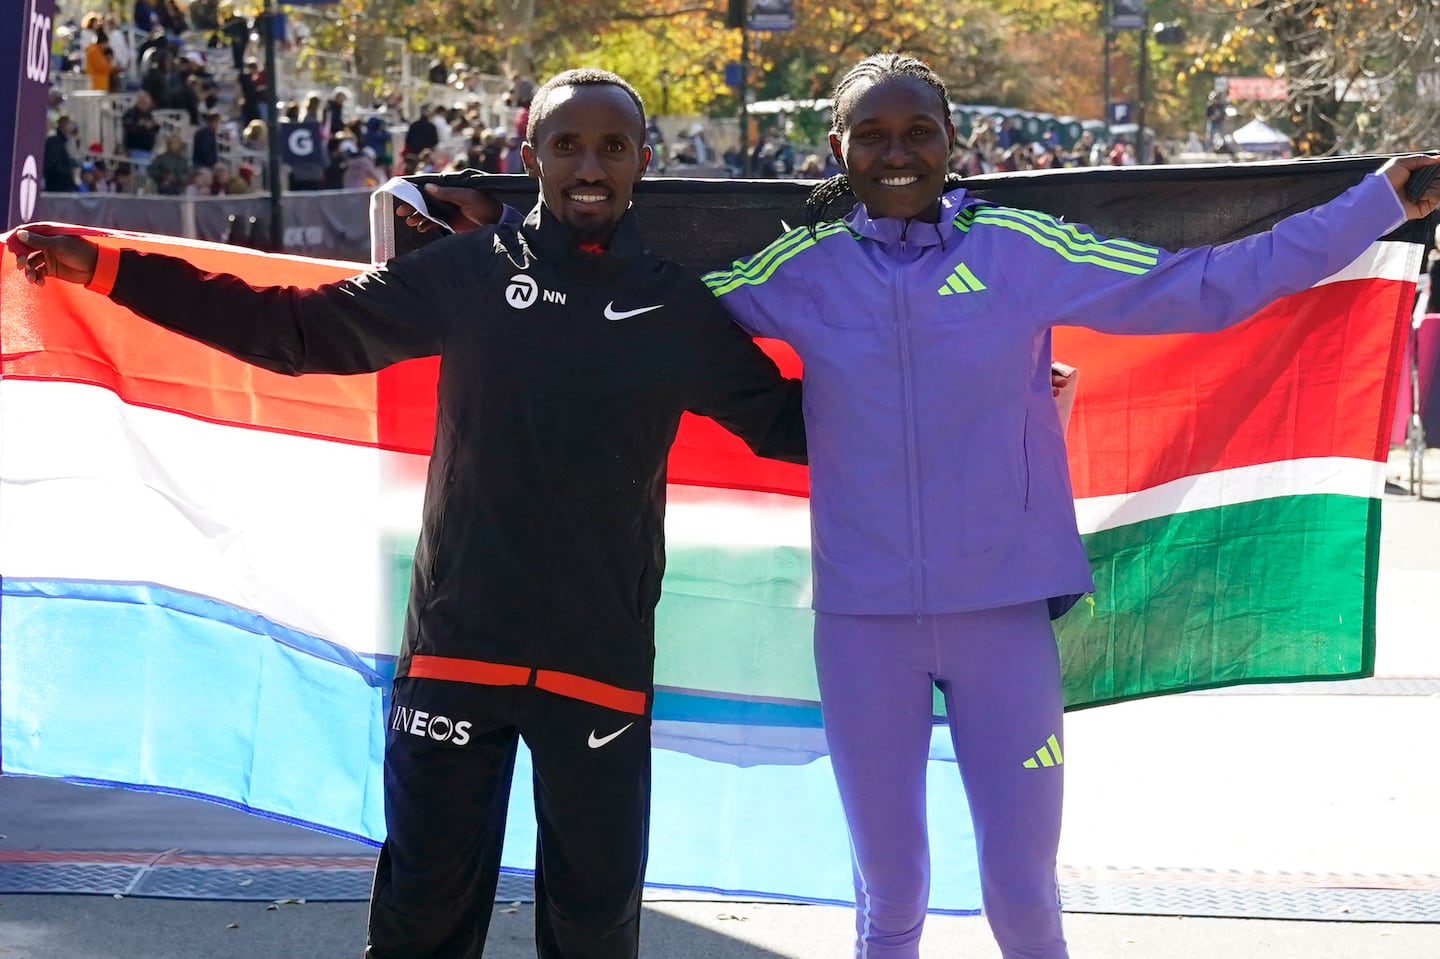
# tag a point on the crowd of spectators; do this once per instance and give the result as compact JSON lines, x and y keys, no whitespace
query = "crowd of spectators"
{"x":196,"y":59}
{"x":1000,"y":146}
{"x":165,"y":58}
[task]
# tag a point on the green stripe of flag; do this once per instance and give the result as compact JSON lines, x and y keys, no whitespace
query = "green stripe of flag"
{"x":1277,"y":589}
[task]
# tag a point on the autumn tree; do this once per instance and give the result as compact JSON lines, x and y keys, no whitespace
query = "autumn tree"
{"x":1038,"y":54}
{"x":1360,"y":74}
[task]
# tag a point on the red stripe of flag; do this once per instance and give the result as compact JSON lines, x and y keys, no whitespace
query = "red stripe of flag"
{"x":1297,"y":380}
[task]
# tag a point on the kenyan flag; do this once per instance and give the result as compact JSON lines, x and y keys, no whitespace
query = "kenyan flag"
{"x":182,"y":530}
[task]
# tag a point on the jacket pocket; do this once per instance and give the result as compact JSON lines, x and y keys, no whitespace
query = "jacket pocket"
{"x":1025,"y":463}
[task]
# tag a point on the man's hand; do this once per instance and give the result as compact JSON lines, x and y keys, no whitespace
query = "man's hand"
{"x":1060,"y":378}
{"x":461,"y":208}
{"x":1398,"y":171}
{"x":1062,"y":387}
{"x":68,"y":258}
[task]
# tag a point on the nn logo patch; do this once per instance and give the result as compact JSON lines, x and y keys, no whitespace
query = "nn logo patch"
{"x":522,"y":292}
{"x":961,"y":280}
{"x":1047,"y":755}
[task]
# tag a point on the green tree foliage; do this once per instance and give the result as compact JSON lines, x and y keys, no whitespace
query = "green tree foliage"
{"x":1361,"y":74}
{"x":1041,"y":54}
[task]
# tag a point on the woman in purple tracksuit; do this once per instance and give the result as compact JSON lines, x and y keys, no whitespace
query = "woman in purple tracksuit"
{"x":944,"y":535}
{"x":944,"y":528}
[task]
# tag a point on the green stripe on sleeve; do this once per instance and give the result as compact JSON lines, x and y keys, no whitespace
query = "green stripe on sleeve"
{"x":1075,"y":240}
{"x":760,"y":267}
{"x":1057,"y":246}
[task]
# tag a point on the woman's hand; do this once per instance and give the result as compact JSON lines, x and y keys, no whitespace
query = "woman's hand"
{"x":461,"y":208}
{"x":1398,"y":171}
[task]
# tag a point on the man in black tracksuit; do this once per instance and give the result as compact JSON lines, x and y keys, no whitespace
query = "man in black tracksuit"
{"x":567,"y":358}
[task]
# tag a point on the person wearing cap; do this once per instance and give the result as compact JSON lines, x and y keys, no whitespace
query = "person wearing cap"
{"x":90,"y":180}
{"x":243,"y":182}
{"x":253,"y":92}
{"x":695,"y":136}
{"x":360,"y":169}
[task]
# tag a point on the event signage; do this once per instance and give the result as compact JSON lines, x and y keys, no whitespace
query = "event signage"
{"x":1257,"y":88}
{"x":772,"y":15}
{"x":301,"y":142}
{"x":1127,"y":14}
{"x":24,"y":86}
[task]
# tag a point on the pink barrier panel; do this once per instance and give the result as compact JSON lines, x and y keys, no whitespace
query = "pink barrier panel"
{"x":1429,"y":364}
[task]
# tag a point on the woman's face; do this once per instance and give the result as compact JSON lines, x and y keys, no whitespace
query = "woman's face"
{"x":896,"y":147}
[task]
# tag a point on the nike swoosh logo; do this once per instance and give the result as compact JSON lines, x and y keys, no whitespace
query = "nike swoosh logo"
{"x":613,"y":314}
{"x":597,"y":742}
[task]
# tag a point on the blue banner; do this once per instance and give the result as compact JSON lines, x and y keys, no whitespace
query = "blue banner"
{"x":302,"y":143}
{"x":25,"y":45}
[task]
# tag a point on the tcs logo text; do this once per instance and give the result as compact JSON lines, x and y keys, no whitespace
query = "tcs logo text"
{"x":37,"y":47}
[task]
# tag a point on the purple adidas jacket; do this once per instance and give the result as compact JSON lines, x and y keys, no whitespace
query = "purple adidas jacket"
{"x":938,"y":474}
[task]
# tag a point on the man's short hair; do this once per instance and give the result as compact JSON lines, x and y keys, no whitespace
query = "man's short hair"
{"x":584,"y":77}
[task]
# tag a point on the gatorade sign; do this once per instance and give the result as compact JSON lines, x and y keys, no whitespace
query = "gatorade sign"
{"x":301,"y":143}
{"x":24,"y":83}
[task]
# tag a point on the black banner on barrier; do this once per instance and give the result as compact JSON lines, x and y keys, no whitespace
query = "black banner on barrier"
{"x":707,"y":224}
{"x":24,"y":85}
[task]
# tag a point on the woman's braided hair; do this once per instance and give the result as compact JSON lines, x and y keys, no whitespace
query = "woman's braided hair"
{"x":872,"y":70}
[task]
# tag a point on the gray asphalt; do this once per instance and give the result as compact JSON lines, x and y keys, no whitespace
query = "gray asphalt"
{"x":87,"y":927}
{"x":1357,"y":796}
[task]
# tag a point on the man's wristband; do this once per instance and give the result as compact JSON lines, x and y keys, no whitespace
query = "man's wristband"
{"x":107,"y":264}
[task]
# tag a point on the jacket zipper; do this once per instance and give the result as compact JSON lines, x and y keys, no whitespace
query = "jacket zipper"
{"x":902,"y":335}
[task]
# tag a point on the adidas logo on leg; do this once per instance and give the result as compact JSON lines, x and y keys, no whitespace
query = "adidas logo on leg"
{"x":1047,"y":755}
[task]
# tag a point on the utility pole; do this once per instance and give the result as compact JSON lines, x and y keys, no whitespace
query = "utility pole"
{"x":272,"y":128}
{"x":737,"y":17}
{"x":1142,"y":149}
{"x":744,"y":100}
{"x":1105,"y":84}
{"x":520,"y":24}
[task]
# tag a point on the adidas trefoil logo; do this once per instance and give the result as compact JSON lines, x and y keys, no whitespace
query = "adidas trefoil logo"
{"x":1046,"y":757}
{"x":961,"y":281}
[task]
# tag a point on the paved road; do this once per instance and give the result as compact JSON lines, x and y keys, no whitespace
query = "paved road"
{"x":1319,"y":801}
{"x":80,"y":927}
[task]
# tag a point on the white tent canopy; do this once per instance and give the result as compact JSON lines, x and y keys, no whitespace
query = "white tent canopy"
{"x":1260,"y":136}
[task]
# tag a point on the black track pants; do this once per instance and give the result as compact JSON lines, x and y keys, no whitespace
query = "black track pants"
{"x":449,"y":757}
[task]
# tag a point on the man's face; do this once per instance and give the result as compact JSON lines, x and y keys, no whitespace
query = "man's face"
{"x":589,"y":152}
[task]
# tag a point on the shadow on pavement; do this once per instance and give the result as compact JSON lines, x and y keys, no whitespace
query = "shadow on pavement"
{"x":103,"y":927}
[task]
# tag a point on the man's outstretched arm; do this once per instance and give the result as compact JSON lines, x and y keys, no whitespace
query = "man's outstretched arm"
{"x":353,"y":326}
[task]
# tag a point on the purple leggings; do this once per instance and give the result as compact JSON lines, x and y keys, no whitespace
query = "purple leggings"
{"x":999,"y":671}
